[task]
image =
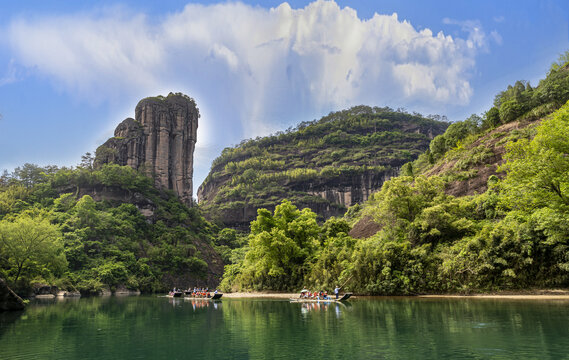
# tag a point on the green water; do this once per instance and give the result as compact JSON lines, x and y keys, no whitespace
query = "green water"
{"x":389,"y":328}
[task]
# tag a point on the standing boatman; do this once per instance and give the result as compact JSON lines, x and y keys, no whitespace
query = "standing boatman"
{"x":337,"y":291}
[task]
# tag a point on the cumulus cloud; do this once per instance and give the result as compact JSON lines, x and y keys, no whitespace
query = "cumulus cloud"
{"x":256,"y":63}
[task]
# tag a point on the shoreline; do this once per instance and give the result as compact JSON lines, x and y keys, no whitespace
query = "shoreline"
{"x":509,"y":295}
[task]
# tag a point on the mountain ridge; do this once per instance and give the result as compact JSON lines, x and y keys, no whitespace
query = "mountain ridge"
{"x":326,"y":165}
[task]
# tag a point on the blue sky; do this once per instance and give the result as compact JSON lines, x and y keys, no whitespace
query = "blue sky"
{"x":71,"y":71}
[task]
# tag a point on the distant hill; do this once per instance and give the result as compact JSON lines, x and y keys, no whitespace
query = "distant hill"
{"x":326,"y":165}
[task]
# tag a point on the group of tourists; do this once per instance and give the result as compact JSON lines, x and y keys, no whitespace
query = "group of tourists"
{"x":195,"y":292}
{"x":199,"y":292}
{"x":318,"y":295}
{"x":175,"y":292}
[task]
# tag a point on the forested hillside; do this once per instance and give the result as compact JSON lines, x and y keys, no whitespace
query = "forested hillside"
{"x":91,"y":229}
{"x":485,"y":208}
{"x":326,"y":165}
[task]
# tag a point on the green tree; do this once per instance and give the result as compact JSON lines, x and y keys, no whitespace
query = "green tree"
{"x":404,"y":197}
{"x":30,"y":246}
{"x":538,"y":170}
{"x":30,"y":175}
{"x":491,"y":118}
{"x":280,"y":246}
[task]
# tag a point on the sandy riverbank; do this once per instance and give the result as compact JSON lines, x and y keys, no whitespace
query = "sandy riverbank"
{"x":538,"y":295}
{"x":264,"y":295}
{"x":522,"y":295}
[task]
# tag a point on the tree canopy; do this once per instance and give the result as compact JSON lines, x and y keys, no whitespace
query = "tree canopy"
{"x":31,"y":246}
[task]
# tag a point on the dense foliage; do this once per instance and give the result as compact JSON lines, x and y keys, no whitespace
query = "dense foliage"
{"x":520,"y":102}
{"x":53,"y":231}
{"x":315,"y":156}
{"x":515,"y":235}
{"x":56,"y":228}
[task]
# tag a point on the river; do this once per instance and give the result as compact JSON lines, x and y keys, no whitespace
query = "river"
{"x":152,"y":327}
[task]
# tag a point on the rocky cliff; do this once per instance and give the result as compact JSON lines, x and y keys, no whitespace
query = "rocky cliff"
{"x":326,"y":165}
{"x":159,"y":141}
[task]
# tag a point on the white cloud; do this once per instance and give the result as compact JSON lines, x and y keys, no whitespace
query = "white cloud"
{"x":258,"y":64}
{"x":10,"y":76}
{"x":496,"y":37}
{"x":476,"y":35}
{"x":499,"y":19}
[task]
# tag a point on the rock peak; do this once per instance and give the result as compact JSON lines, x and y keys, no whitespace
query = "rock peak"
{"x":160,"y":141}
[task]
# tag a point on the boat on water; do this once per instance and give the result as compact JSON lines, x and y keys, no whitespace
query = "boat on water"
{"x":344,"y":297}
{"x":188,"y":295}
{"x":175,"y":294}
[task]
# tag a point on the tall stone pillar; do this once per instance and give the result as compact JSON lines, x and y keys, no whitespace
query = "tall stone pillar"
{"x":161,"y":140}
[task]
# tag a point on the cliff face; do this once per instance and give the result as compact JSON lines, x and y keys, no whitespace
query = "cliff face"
{"x":160,"y":141}
{"x":326,"y":197}
{"x":326,"y":165}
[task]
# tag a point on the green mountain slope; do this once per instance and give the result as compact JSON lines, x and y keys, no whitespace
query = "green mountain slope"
{"x":90,"y":230}
{"x":326,"y":165}
{"x":484,"y":209}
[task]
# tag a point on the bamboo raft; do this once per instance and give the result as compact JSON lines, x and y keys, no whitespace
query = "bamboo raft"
{"x":214,"y":297}
{"x":345,"y":297}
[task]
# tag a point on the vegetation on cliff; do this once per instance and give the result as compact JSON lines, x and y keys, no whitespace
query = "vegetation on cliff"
{"x":513,"y":234}
{"x":336,"y":152}
{"x":485,"y":207}
{"x":83,"y":229}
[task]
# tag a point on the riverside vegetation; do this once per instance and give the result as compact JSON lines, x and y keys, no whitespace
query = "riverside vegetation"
{"x":50,"y":233}
{"x":512,"y":235}
{"x":433,"y":233}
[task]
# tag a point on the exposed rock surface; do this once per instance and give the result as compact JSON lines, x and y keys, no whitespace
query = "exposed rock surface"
{"x":326,"y":197}
{"x":8,"y":299}
{"x":44,"y":289}
{"x":494,"y":141}
{"x":159,"y":141}
{"x":364,"y":228}
{"x":40,"y":291}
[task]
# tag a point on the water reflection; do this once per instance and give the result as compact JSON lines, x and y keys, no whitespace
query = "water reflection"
{"x":307,"y":307}
{"x":202,"y":304}
{"x":7,"y":318}
{"x":399,"y":328}
{"x":175,"y":301}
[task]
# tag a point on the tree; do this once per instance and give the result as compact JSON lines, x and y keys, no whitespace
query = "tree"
{"x":30,"y":246}
{"x":538,"y":170}
{"x":280,"y":246}
{"x":491,"y":118}
{"x":87,"y":161}
{"x":461,"y":129}
{"x":227,"y":237}
{"x":30,"y":174}
{"x":404,"y":197}
{"x":438,"y":146}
